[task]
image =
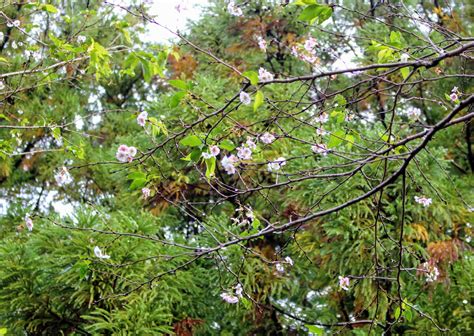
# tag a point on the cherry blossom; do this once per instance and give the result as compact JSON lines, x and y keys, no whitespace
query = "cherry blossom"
{"x":404,"y":57}
{"x":344,"y":283}
{"x":63,"y":177}
{"x":244,"y":153}
{"x":229,"y":298}
{"x":99,"y":254}
{"x":430,"y":271}
{"x":280,"y":268}
{"x":233,"y":9}
{"x":81,"y":39}
{"x":238,"y":290}
{"x":267,"y":138}
{"x":141,"y":119}
{"x":125,"y":153}
{"x":245,"y":98}
{"x":146,"y":192}
{"x":264,"y":75}
{"x":250,"y":143}
{"x":453,"y":96}
{"x":276,"y":164}
{"x":214,"y":150}
{"x":289,"y":261}
{"x":321,"y":131}
{"x":322,"y":118}
{"x":413,"y":112}
{"x":262,"y":44}
{"x":228,"y":163}
{"x":29,"y":223}
{"x":309,"y":44}
{"x":423,"y":200}
{"x":320,"y":149}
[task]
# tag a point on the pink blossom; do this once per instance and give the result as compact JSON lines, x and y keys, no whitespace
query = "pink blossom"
{"x":238,"y":290}
{"x":250,"y":144}
{"x":280,"y":268}
{"x":123,"y":148}
{"x":63,"y":177}
{"x":264,"y":75}
{"x":320,"y":149}
{"x":228,"y":163}
{"x":125,"y":153}
{"x":262,"y":44}
{"x":453,"y":96}
{"x":244,"y":153}
{"x":229,"y":298}
{"x":99,"y":254}
{"x":423,"y":201}
{"x":309,"y":44}
{"x":214,"y":150}
{"x":276,"y":164}
{"x":322,"y":118}
{"x":146,"y":192}
{"x":233,"y":9}
{"x":245,"y":98}
{"x":141,"y":119}
{"x":267,"y":138}
{"x":28,"y":223}
{"x":430,"y":271}
{"x":321,"y":131}
{"x":344,"y":283}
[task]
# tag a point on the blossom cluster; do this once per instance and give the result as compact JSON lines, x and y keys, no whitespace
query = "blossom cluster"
{"x":233,"y":297}
{"x":306,"y":51}
{"x":430,"y":271}
{"x":99,"y":254}
{"x":63,"y":177}
{"x":28,"y":223}
{"x":425,"y":201}
{"x":232,"y":9}
{"x":344,"y":283}
{"x":126,"y":153}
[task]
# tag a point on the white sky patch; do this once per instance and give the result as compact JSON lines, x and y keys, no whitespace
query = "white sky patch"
{"x":166,"y":13}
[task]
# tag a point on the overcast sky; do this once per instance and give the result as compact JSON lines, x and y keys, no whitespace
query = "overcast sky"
{"x":168,"y":15}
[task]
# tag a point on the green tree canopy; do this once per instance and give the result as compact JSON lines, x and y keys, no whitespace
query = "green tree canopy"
{"x":284,"y":168}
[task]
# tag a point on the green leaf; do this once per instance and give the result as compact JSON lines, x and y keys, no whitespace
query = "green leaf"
{"x":227,"y":145}
{"x":316,"y":12}
{"x":340,"y":100}
{"x":405,"y":72}
{"x":176,"y":98}
{"x":258,"y":100}
{"x":49,"y":8}
{"x":304,"y":2}
{"x":136,"y":175}
{"x":252,"y":76}
{"x":3,"y":60}
{"x":349,"y":141}
{"x":310,"y":13}
{"x":191,"y":141}
{"x":396,"y":314}
{"x":314,"y":329}
{"x":137,"y":183}
{"x":210,"y":167}
{"x":325,"y":14}
{"x":336,"y":138}
{"x":3,"y":331}
{"x":179,"y":84}
{"x":56,"y":133}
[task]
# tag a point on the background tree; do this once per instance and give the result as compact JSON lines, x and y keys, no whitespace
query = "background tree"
{"x":286,"y":168}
